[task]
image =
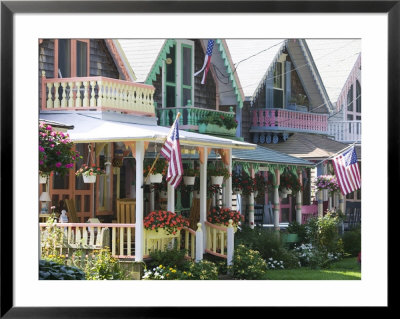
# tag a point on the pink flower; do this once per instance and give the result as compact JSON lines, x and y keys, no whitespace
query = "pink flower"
{"x":58,"y":164}
{"x":41,"y":149}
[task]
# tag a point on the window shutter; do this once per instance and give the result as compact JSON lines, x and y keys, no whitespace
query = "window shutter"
{"x":288,"y":82}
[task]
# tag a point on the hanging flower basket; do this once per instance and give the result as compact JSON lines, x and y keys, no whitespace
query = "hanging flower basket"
{"x":155,"y":178}
{"x":217,"y":180}
{"x":189,"y":180}
{"x":237,"y":191}
{"x":90,"y":179}
{"x":43,"y":178}
{"x":286,"y":191}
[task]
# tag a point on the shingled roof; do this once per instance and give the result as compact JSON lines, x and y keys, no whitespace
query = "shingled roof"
{"x":311,"y":146}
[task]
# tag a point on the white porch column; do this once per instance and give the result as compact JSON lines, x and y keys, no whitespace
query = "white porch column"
{"x":171,"y":198}
{"x":152,"y":199}
{"x":298,"y":206}
{"x":341,"y":202}
{"x":276,"y":199}
{"x":203,"y":193}
{"x":320,"y":204}
{"x":299,"y":197}
{"x":251,"y":202}
{"x":228,"y":183}
{"x":139,"y":201}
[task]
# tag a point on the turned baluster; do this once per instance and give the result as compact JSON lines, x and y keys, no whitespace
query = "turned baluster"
{"x":56,"y":100}
{"x":92,"y":94}
{"x":64,"y":94}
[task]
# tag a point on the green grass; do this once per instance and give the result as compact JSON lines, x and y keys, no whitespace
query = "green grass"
{"x":346,"y":269}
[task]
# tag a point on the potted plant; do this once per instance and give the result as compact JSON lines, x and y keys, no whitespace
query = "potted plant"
{"x":164,"y":222}
{"x":292,"y":233}
{"x":189,"y":176}
{"x":156,"y":173}
{"x":218,"y":174}
{"x":237,"y":183}
{"x":248,"y":184}
{"x":89,"y":173}
{"x":221,"y":215}
{"x":55,"y":152}
{"x":328,"y":182}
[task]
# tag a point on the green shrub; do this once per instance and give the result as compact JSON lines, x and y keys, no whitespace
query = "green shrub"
{"x":171,"y":257}
{"x":248,"y":264}
{"x":50,"y":270}
{"x":288,"y":258}
{"x":352,"y":241}
{"x":162,"y":272}
{"x":102,"y":266}
{"x":323,"y":232}
{"x":203,"y":270}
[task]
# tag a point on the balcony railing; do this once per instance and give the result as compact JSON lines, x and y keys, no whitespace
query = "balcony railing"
{"x":345,"y":131}
{"x":190,"y":116}
{"x":287,"y":120}
{"x":97,"y":93}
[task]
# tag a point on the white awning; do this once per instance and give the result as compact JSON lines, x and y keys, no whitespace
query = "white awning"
{"x":89,"y":127}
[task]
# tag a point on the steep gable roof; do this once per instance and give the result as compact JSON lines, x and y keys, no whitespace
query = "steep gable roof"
{"x":146,"y":56}
{"x":334,"y":59}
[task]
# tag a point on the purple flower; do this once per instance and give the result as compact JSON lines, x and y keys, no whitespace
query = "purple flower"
{"x":41,"y":149}
{"x":58,"y":164}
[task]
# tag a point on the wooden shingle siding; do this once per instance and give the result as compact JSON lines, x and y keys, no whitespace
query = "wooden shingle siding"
{"x":246,"y":121}
{"x":46,"y":62}
{"x":101,"y":62}
{"x":157,"y":97}
{"x":204,"y":94}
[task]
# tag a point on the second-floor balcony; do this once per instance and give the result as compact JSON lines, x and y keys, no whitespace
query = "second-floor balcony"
{"x":97,"y":93}
{"x":194,"y":119}
{"x":345,"y":131}
{"x":283,"y":120}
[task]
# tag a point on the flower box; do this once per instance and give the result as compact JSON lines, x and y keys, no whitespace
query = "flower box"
{"x":155,"y":178}
{"x":189,"y":180}
{"x":89,"y":179}
{"x":158,"y":240}
{"x":217,"y":180}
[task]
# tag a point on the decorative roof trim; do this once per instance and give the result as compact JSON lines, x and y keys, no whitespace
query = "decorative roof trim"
{"x":222,"y":47}
{"x":156,"y":68}
{"x":120,"y":60}
{"x":269,"y":70}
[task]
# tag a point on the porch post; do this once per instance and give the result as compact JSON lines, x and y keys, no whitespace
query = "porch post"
{"x":341,"y":202}
{"x":139,"y":201}
{"x":171,"y":198}
{"x":276,"y":199}
{"x":228,"y":184}
{"x":299,"y":198}
{"x":251,"y":201}
{"x":203,"y":193}
{"x":151,"y":199}
{"x":320,"y":204}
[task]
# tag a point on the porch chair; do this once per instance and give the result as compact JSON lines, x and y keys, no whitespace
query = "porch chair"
{"x":71,"y":210}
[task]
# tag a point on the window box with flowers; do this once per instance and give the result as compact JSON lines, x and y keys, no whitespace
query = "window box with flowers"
{"x":55,"y":152}
{"x":160,"y":227}
{"x":218,"y":124}
{"x":328,"y":182}
{"x":156,"y":173}
{"x":89,"y":173}
{"x":218,"y":174}
{"x":221,"y":216}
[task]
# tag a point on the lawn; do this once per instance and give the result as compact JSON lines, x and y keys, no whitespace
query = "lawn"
{"x":346,"y":269}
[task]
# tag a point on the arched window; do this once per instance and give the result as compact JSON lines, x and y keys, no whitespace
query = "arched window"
{"x":350,"y":99}
{"x":358,"y":97}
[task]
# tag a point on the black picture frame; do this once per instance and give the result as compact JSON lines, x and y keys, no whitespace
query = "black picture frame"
{"x":9,"y":8}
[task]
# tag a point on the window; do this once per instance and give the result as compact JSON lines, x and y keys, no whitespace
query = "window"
{"x":71,"y":58}
{"x":278,"y":85}
{"x":350,"y":99}
{"x":178,"y":75}
{"x":358,"y":97}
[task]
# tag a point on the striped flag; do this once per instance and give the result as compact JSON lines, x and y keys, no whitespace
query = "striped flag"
{"x":207,"y":61}
{"x":347,"y":171}
{"x":171,"y":151}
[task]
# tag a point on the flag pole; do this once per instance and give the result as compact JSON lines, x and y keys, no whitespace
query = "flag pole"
{"x":342,"y":150}
{"x":158,"y":155}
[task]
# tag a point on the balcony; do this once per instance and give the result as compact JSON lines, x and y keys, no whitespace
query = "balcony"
{"x":97,"y":93}
{"x":345,"y":131}
{"x":191,"y":117}
{"x":285,"y":121}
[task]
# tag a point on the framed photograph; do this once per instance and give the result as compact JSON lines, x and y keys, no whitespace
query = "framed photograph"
{"x":24,"y":25}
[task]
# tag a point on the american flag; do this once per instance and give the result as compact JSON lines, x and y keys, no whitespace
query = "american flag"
{"x":207,"y":61}
{"x":171,"y":151}
{"x":347,"y":171}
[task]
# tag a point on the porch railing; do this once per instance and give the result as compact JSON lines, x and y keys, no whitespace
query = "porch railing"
{"x":97,"y":93}
{"x":220,"y":240}
{"x":94,"y":236}
{"x":190,"y":115}
{"x":287,"y":120}
{"x":345,"y":131}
